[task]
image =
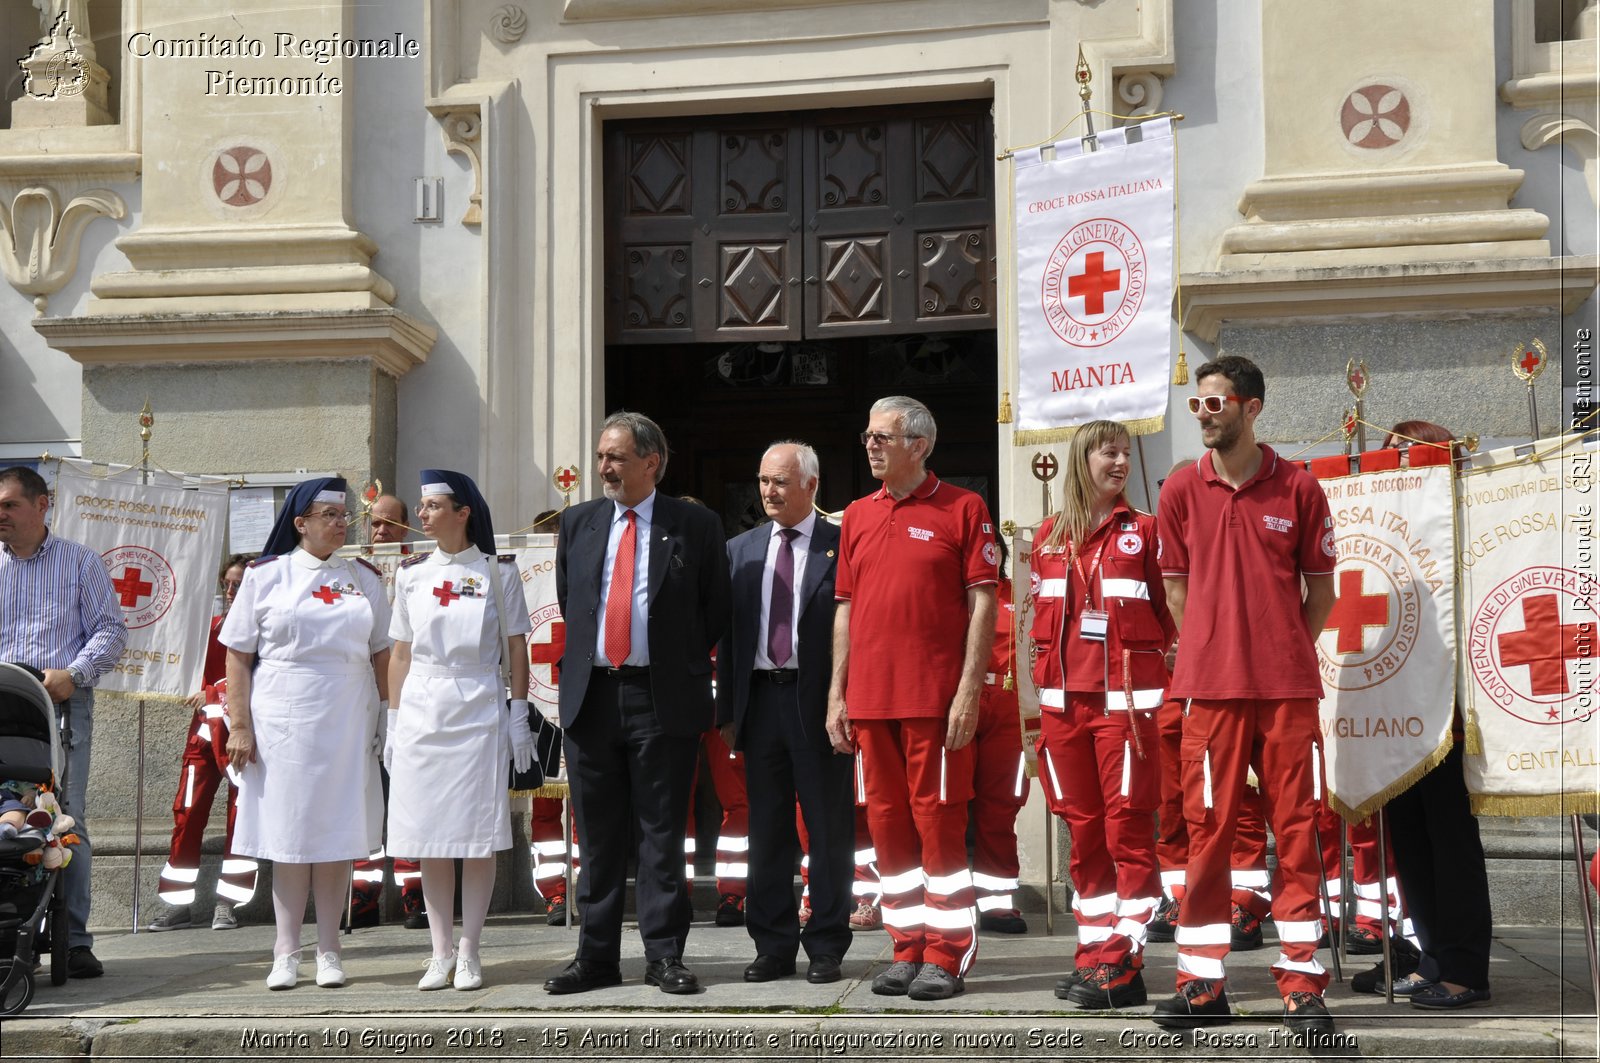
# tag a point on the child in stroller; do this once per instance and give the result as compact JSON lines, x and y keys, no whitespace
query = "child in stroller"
{"x":30,"y":892}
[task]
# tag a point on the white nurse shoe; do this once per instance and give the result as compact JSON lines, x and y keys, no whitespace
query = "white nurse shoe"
{"x":438,"y":973}
{"x":469,"y":973}
{"x":285,"y":971}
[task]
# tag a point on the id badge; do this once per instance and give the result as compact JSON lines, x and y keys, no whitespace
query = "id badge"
{"x":1092,"y":625}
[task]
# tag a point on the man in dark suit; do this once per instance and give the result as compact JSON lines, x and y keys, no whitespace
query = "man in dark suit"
{"x":772,"y":703}
{"x":642,"y":580}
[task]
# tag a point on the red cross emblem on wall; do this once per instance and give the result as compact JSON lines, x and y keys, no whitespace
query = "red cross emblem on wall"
{"x":1545,"y":645}
{"x":131,"y":587}
{"x":1354,"y":611}
{"x":1094,"y":283}
{"x":446,"y":593}
{"x":325,"y":594}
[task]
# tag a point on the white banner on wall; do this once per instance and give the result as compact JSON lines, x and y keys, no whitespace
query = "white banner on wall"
{"x":1388,"y":650}
{"x":162,"y":544}
{"x":1094,"y":238}
{"x":1531,"y":670}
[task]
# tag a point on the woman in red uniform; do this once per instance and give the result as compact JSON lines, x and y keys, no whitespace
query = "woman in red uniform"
{"x":1100,"y":632}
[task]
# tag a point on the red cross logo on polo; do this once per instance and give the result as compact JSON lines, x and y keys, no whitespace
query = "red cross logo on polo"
{"x":546,"y":643}
{"x":143,"y":582}
{"x":446,"y":593}
{"x":1130,"y":543}
{"x":1532,"y":644}
{"x":1377,"y":615}
{"x":327,"y":595}
{"x":1094,"y":282}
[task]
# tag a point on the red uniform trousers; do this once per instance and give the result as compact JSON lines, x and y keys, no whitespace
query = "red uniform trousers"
{"x":733,"y":840}
{"x":1095,"y":781}
{"x":205,"y":762}
{"x":1364,"y":875}
{"x":1221,"y":739}
{"x":999,"y":790}
{"x":1250,"y":879}
{"x":866,"y":888}
{"x":550,"y":848}
{"x":917,"y":793}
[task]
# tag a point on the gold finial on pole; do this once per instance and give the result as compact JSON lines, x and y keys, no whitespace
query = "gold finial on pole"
{"x":566,"y":479}
{"x":147,"y":420}
{"x":1357,"y":378}
{"x":1084,"y":78}
{"x":1528,"y":362}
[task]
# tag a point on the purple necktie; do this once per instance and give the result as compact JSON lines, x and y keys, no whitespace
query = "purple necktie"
{"x":780,"y":615}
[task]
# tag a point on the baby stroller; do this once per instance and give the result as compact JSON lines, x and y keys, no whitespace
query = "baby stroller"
{"x":30,"y":751}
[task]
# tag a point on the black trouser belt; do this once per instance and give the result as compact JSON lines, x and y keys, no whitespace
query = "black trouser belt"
{"x":780,"y":676}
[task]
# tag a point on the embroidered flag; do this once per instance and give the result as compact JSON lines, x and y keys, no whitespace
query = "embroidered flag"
{"x":1532,"y":664}
{"x":1094,"y":282}
{"x":1387,"y":652}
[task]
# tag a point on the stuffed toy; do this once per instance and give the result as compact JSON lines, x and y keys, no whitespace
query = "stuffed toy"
{"x":29,"y":814}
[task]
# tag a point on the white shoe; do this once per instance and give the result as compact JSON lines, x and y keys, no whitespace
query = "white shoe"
{"x":437,"y":976}
{"x":285,"y":971}
{"x":469,"y":973}
{"x":223,"y":918}
{"x":330,"y":972}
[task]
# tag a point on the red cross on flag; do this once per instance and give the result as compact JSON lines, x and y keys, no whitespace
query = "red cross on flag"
{"x":548,"y":639}
{"x":1094,"y":282}
{"x":1531,"y":666}
{"x":1387,"y":651}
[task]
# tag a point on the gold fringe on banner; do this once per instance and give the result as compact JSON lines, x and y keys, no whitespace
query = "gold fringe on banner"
{"x":553,"y":790}
{"x":1029,"y":437}
{"x":1394,"y":789}
{"x":1534,"y":804}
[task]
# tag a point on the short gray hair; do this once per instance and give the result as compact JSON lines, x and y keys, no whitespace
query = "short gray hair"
{"x":915,"y":418}
{"x":804,"y":456}
{"x":648,"y":438}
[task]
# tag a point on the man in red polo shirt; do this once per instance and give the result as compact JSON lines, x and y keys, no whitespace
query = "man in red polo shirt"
{"x":1239,"y":531}
{"x":911,"y":636}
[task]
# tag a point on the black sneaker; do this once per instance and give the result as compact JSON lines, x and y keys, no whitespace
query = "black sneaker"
{"x":1163,"y":925}
{"x":412,"y":907}
{"x":1196,"y":1003}
{"x":730,"y":911}
{"x":555,"y":911}
{"x":1110,"y":985}
{"x":1405,"y":962}
{"x":1305,"y":1013}
{"x":1363,"y":941}
{"x":1246,"y":932}
{"x":81,"y":963}
{"x":1007,"y":921}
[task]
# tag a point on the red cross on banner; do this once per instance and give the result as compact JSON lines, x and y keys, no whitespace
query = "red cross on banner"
{"x":327,"y":595}
{"x":1545,"y":644}
{"x":446,"y":594}
{"x":550,"y":652}
{"x":1095,"y":282}
{"x":131,"y":587}
{"x":1354,"y":611}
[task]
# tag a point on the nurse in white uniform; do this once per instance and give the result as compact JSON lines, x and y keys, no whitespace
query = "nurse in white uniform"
{"x":451,"y":740}
{"x":308,"y":656}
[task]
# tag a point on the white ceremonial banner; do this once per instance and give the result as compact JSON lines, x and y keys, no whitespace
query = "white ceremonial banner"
{"x":162,"y":544}
{"x":1388,"y":650}
{"x":1528,"y":595}
{"x":1094,"y":282}
{"x":1023,"y":588}
{"x":548,"y":639}
{"x":387,"y":558}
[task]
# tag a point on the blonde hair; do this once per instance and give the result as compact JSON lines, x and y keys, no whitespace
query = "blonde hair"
{"x":1078,"y":498}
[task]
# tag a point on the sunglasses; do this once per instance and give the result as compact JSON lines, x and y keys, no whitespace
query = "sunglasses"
{"x":1213,"y":403}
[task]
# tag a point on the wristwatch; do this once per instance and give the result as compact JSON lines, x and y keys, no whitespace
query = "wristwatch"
{"x":79,"y":680}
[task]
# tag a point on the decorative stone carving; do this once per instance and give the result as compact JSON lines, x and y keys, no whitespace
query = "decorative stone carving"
{"x":64,"y":85}
{"x":1558,"y":80}
{"x":463,"y":135}
{"x":39,"y":240}
{"x":1139,"y":93}
{"x":508,"y":24}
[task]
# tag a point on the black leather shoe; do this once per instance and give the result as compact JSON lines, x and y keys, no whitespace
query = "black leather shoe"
{"x":584,"y":975}
{"x":823,"y":969}
{"x":768,"y":968}
{"x":671,"y":976}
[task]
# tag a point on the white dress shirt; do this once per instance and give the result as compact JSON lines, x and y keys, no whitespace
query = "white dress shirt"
{"x":639,"y":647}
{"x":802,"y":547}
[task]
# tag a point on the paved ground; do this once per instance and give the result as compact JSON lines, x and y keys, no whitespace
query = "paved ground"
{"x":200,"y":994}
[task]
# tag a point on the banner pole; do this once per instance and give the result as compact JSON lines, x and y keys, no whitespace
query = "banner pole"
{"x":1587,"y":906}
{"x":147,"y":420}
{"x":1383,"y":912}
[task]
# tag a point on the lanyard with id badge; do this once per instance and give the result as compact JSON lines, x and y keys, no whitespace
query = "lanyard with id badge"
{"x":1092,"y":622}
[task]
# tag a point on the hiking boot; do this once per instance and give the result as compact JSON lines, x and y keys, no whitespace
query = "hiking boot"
{"x":1196,"y":1003}
{"x":1110,"y":985}
{"x":1405,"y":958}
{"x":1065,"y":983}
{"x":896,"y":981}
{"x":174,"y":918}
{"x":1246,"y":932}
{"x":730,"y":910}
{"x":1163,"y":925}
{"x":1305,"y":1013}
{"x":1363,"y":941}
{"x":555,"y":911}
{"x":413,"y":908}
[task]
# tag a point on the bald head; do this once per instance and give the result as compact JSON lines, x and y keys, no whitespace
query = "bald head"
{"x":788,"y":482}
{"x":388,"y":517}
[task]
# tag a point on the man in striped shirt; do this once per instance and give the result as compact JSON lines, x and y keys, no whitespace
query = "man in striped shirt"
{"x":57,"y":614}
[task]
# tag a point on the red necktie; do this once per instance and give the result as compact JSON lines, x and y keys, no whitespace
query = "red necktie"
{"x":619,"y":599}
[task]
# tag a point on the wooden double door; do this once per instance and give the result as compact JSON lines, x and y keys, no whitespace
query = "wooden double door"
{"x":770,"y":276}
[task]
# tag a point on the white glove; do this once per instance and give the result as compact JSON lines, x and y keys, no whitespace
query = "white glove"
{"x":522,"y":743}
{"x":381,"y":729}
{"x":392,"y":716}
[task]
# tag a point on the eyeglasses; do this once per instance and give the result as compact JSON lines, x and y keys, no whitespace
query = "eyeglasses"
{"x":1213,"y":403}
{"x":333,"y":516}
{"x":423,"y":509}
{"x":881,"y":439}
